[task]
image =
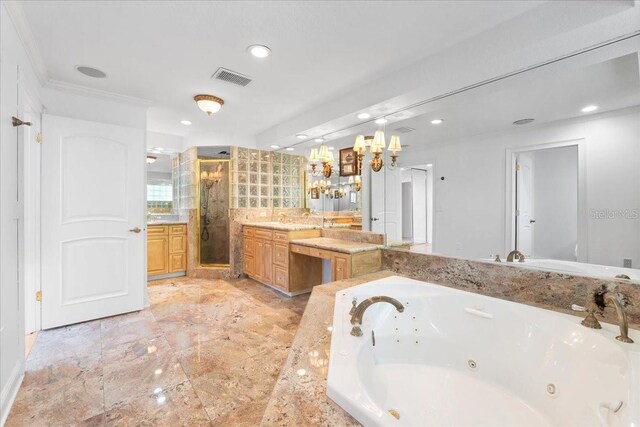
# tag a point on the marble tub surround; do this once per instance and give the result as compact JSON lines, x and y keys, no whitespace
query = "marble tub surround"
{"x":337,"y":245}
{"x":207,"y":352}
{"x":354,"y":236}
{"x":552,"y":291}
{"x":299,"y":396}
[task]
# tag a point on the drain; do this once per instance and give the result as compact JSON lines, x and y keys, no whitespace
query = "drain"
{"x":394,"y":413}
{"x":472,"y":364}
{"x":551,"y":389}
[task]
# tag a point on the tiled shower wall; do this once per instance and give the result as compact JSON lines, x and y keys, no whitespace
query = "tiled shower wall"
{"x":266,"y":179}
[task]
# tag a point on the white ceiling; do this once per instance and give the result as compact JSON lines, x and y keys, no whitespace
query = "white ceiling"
{"x":546,"y":95}
{"x":166,"y":51}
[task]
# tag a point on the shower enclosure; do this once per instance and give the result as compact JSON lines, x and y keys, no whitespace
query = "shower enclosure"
{"x":213,"y":212}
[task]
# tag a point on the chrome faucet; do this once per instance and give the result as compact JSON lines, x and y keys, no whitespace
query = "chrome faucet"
{"x":283,"y":217}
{"x":513,"y":254}
{"x":358,"y":312}
{"x":623,"y":322}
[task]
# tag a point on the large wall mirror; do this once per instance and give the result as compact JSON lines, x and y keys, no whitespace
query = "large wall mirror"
{"x":544,"y":161}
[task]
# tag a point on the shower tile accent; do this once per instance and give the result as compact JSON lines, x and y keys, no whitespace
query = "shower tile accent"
{"x":266,"y":179}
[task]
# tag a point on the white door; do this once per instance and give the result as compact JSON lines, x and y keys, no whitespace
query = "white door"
{"x":524,"y":204}
{"x":386,"y":203}
{"x":92,"y":199}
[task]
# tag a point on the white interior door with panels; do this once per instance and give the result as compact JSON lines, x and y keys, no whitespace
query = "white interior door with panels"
{"x":524,"y":204}
{"x":386,"y":203}
{"x":93,"y":242}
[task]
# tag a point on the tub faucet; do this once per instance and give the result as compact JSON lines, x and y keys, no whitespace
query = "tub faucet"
{"x":356,"y":317}
{"x":513,"y":254}
{"x":623,"y":323}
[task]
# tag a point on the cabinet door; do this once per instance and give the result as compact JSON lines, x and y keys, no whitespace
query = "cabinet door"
{"x":257,"y":270}
{"x":267,"y":261}
{"x":177,"y":262}
{"x":341,"y":267}
{"x":157,"y":255}
{"x":177,"y":244}
{"x":249,"y":265}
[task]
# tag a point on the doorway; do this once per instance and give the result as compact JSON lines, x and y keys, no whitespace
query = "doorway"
{"x":417,"y":207}
{"x":545,"y":203}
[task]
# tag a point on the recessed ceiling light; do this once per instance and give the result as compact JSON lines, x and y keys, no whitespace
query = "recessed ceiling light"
{"x":331,"y":148}
{"x":91,"y":72}
{"x":363,"y":116}
{"x":186,"y":122}
{"x":436,"y":121}
{"x":319,"y":140}
{"x":159,"y":149}
{"x":301,"y":136}
{"x":259,"y":51}
{"x":381,"y":121}
{"x":274,"y":146}
{"x":589,"y":108}
{"x":289,"y":148}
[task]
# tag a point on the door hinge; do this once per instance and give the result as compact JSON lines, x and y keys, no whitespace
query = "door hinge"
{"x":517,"y":167}
{"x":517,"y":212}
{"x":39,"y":296}
{"x":39,"y":138}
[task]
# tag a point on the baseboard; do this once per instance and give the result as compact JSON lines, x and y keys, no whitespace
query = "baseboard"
{"x":9,"y":392}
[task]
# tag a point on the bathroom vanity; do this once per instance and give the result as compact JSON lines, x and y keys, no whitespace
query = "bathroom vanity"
{"x":166,"y":250}
{"x":289,"y":257}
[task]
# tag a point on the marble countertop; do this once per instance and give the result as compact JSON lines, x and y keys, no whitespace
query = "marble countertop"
{"x":163,"y":222}
{"x":299,"y":397}
{"x":273,"y":225}
{"x":337,"y":245}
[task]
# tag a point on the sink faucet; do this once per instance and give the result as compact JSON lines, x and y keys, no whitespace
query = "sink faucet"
{"x":356,"y":317}
{"x":283,"y":217}
{"x":513,"y":254}
{"x":623,"y":323}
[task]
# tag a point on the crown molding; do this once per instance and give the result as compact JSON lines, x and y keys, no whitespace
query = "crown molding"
{"x":19,"y":20}
{"x":96,"y":93}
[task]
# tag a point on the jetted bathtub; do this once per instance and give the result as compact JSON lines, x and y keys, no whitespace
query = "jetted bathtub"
{"x":455,"y":358}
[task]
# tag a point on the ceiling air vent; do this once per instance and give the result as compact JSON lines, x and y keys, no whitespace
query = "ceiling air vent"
{"x":231,"y":77}
{"x":404,"y":129}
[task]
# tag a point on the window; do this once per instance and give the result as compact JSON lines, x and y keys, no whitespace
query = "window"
{"x":160,"y":197}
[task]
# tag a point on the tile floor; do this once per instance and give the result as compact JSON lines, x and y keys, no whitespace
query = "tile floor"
{"x":207,"y":352}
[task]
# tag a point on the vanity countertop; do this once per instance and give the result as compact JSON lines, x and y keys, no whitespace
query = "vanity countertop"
{"x":337,"y":245}
{"x":299,"y":396}
{"x":289,"y":226}
{"x":163,"y":222}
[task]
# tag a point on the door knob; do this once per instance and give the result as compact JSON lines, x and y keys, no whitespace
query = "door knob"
{"x":531,"y":221}
{"x":375,"y":219}
{"x":136,"y":230}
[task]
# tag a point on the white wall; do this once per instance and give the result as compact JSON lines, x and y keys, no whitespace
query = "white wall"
{"x":17,"y":79}
{"x":171,"y":143}
{"x":556,"y":203}
{"x":470,"y":201}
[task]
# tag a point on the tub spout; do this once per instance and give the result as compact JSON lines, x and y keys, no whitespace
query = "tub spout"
{"x":623,"y":323}
{"x":356,"y":316}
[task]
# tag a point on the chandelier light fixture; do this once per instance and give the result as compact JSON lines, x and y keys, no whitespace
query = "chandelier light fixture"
{"x":208,"y":103}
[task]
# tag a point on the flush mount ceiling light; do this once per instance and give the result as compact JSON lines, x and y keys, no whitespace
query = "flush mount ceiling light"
{"x":91,"y":72}
{"x":151,"y":159}
{"x":437,"y":121}
{"x":274,"y":146}
{"x":208,"y":103}
{"x":523,"y":121}
{"x":259,"y":51}
{"x":589,"y":108}
{"x":363,"y":116}
{"x":381,"y":121}
{"x":185,"y":122}
{"x":301,"y":136}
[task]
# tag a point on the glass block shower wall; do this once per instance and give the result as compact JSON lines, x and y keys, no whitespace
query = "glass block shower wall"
{"x":266,"y":179}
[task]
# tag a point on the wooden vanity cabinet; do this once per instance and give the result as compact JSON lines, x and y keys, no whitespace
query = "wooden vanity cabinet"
{"x":267,"y":259}
{"x":166,"y":249}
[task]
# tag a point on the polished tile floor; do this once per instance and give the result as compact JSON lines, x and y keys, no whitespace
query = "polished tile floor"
{"x":207,"y":352}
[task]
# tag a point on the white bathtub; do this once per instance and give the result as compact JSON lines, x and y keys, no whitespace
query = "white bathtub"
{"x":455,"y":358}
{"x":572,"y":267}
